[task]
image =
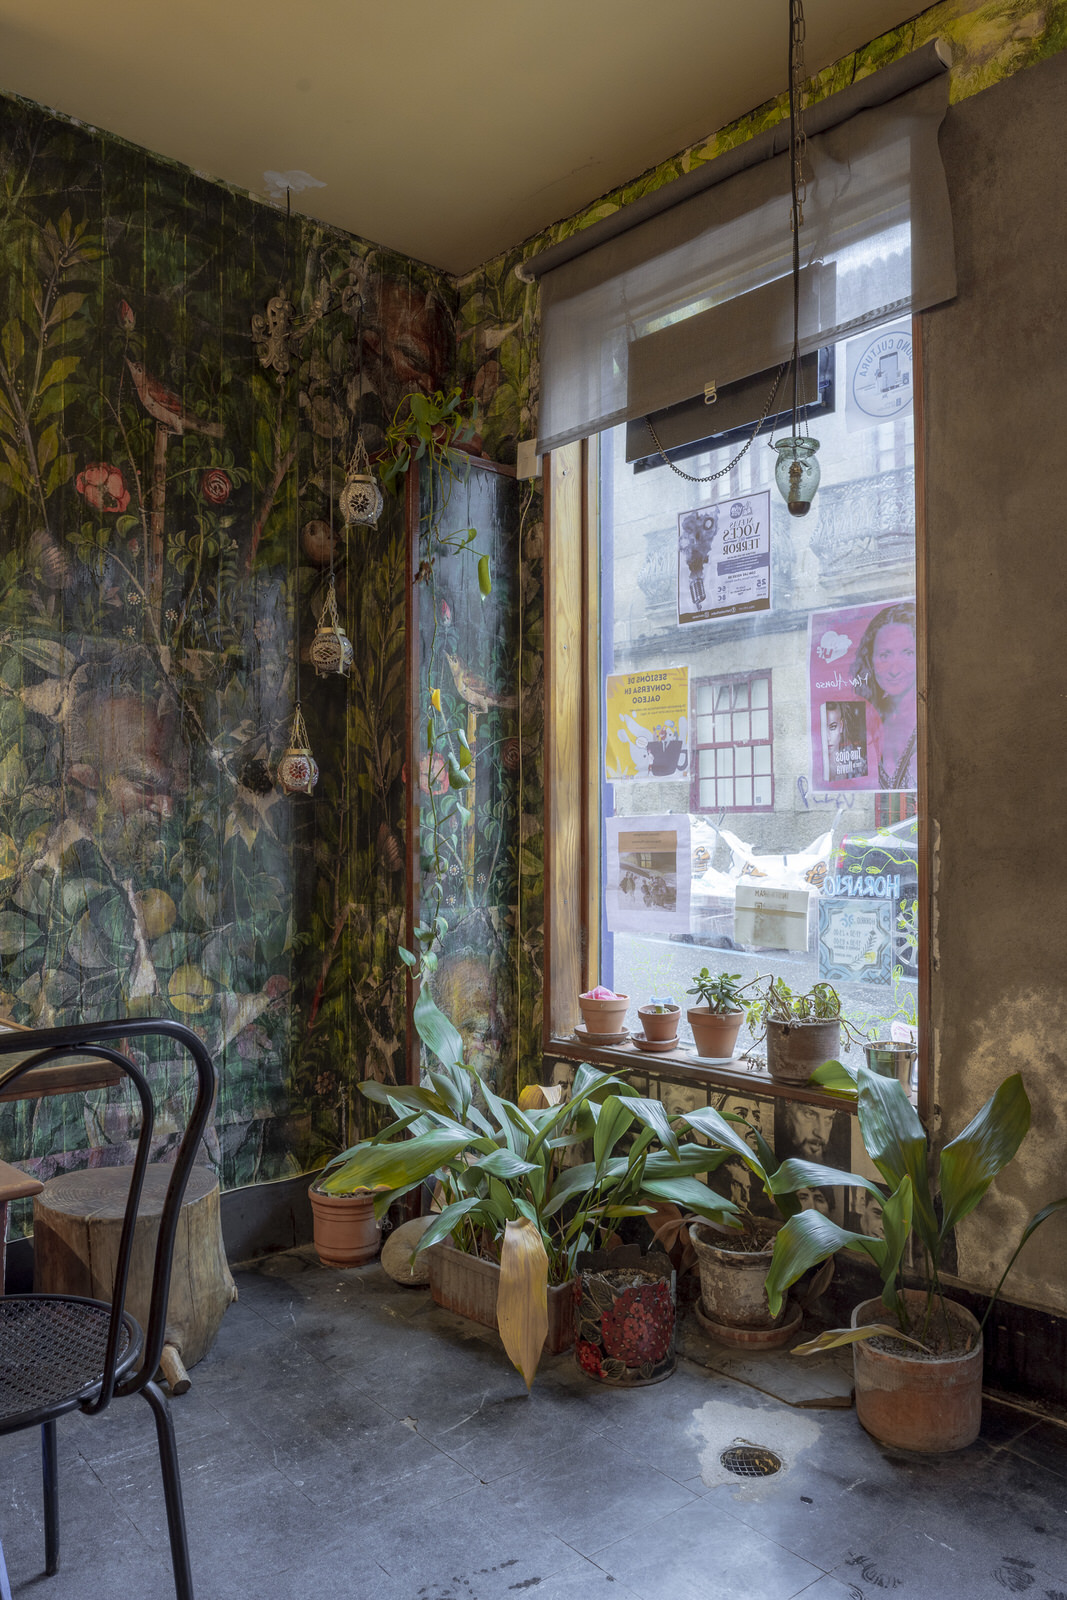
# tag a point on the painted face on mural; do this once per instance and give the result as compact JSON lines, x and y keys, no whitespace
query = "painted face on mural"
{"x":464,"y":991}
{"x":409,"y":346}
{"x":127,"y":763}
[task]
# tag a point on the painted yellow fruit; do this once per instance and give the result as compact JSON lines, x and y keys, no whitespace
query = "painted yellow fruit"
{"x":158,"y":912}
{"x":190,"y":990}
{"x":9,"y":856}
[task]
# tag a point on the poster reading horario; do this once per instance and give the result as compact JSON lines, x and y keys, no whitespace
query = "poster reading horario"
{"x":724,"y":558}
{"x":646,"y":725}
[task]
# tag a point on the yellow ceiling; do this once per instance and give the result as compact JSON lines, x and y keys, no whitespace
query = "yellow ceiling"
{"x":448,"y":131}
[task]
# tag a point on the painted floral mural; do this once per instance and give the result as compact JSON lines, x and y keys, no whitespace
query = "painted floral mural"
{"x":168,"y":496}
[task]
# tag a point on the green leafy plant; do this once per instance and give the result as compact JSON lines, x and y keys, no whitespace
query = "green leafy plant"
{"x":917,"y":1206}
{"x":719,"y":991}
{"x":779,"y":1003}
{"x":498,"y":1163}
{"x":735,"y":1136}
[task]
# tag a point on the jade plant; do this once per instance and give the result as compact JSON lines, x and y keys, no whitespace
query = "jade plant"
{"x":719,"y":991}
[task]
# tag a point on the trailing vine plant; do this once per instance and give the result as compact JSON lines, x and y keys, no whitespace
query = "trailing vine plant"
{"x":431,"y":428}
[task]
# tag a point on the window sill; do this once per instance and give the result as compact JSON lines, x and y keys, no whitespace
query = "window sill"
{"x":682,"y":1066}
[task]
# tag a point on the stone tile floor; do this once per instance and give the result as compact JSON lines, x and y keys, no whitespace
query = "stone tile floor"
{"x":345,"y":1438}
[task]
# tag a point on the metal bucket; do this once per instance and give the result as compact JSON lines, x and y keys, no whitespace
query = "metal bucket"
{"x":892,"y":1060}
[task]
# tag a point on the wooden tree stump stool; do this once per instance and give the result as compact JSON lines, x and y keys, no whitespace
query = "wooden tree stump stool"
{"x":77,"y":1220}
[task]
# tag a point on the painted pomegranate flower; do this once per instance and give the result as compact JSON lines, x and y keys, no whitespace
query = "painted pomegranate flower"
{"x":216,"y":486}
{"x":588,"y":1357}
{"x":103,"y":487}
{"x":127,"y":319}
{"x":638,"y":1327}
{"x":509,"y":755}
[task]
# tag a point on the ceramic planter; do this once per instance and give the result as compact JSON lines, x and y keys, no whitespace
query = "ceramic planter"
{"x":468,"y":1286}
{"x":624,"y":1308}
{"x":604,"y":1016}
{"x":715,"y":1032}
{"x":733,"y":1293}
{"x":660,"y":1024}
{"x":345,"y":1230}
{"x":795,"y":1049}
{"x":927,"y":1405}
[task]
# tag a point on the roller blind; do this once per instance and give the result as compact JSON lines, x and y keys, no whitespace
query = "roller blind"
{"x":701,"y":291}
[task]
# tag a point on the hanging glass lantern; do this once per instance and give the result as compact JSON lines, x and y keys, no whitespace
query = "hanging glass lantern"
{"x":797,"y":473}
{"x":298,"y":771}
{"x":361,"y":499}
{"x":331,"y":648}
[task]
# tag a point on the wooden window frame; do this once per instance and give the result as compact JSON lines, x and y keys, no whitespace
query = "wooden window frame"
{"x":572,"y":791}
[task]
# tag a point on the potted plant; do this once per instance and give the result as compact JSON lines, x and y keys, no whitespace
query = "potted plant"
{"x":345,"y":1230}
{"x":717,"y":1021}
{"x":802,"y":1030}
{"x":659,"y":1019}
{"x":918,"y":1370}
{"x":733,"y":1267}
{"x":603,"y":1011}
{"x":508,"y":1200}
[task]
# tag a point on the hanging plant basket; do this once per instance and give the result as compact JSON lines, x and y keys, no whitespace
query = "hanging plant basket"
{"x":361,"y":498}
{"x":331,"y":649}
{"x":298,"y":771}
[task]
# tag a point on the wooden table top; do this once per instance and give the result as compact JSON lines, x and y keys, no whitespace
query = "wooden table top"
{"x":65,"y":1077}
{"x":16,"y":1185}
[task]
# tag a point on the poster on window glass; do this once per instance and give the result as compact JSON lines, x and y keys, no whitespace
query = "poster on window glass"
{"x":878,"y":376}
{"x":855,"y":941}
{"x":724,"y":558}
{"x":863,"y":709}
{"x":648,"y":874}
{"x":771,"y":919}
{"x":646,"y":725}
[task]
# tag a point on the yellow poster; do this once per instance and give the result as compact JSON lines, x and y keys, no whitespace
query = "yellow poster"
{"x":646,"y":725}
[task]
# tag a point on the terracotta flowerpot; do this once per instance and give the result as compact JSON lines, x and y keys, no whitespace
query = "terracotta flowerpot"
{"x":733,"y":1290}
{"x":345,"y":1229}
{"x":468,"y":1286}
{"x":604,"y":1016}
{"x":795,"y":1049}
{"x":715,"y":1032}
{"x":624,"y":1304}
{"x":927,"y":1405}
{"x":660,"y":1024}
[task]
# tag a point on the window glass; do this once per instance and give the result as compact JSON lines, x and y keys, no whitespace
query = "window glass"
{"x":759,"y":708}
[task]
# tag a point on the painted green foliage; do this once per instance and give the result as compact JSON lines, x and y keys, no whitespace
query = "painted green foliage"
{"x":169,"y":519}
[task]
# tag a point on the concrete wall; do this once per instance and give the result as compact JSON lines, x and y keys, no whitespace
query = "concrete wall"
{"x":996,"y":508}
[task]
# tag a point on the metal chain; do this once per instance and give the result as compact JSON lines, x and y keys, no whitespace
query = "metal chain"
{"x":688,"y":476}
{"x":798,"y":80}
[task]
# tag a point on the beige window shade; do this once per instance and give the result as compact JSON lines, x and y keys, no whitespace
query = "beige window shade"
{"x":701,"y":291}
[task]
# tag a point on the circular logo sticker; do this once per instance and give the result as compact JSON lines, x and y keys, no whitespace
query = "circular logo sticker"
{"x":737,"y":510}
{"x":882,"y":379}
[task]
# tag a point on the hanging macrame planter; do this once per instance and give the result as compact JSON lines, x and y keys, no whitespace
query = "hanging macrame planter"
{"x":298,"y":771}
{"x":361,"y":498}
{"x":331,"y":648}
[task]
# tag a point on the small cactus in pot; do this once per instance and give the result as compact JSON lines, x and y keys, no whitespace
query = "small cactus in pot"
{"x":660,"y":1018}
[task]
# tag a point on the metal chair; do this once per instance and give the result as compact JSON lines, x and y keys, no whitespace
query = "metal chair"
{"x":59,"y":1353}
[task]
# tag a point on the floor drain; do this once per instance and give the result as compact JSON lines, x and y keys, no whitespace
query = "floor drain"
{"x":750,"y":1461}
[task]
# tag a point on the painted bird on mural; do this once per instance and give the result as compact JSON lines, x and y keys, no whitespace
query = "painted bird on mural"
{"x":167,"y":407}
{"x":475,"y":690}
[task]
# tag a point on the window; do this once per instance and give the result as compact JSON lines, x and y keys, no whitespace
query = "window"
{"x":732,"y":752}
{"x":748,"y":719}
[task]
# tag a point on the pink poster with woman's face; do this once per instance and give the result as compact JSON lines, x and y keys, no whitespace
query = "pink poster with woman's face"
{"x":863,"y":705}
